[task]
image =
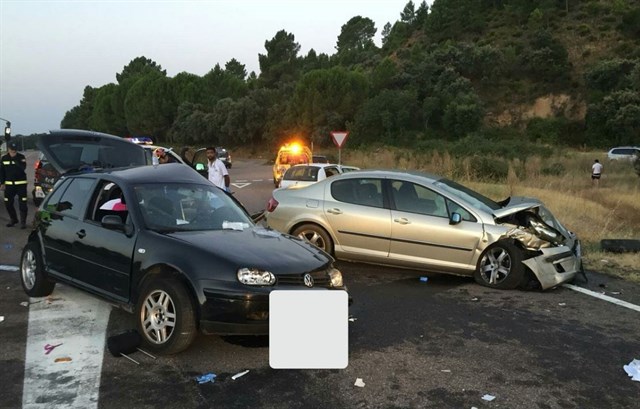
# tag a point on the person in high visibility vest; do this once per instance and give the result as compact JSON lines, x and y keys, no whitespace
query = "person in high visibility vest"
{"x":13,"y":180}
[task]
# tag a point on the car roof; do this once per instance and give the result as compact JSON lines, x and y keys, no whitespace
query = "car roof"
{"x":166,"y":173}
{"x":389,"y":174}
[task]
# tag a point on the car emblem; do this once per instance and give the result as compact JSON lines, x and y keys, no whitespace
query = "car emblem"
{"x":308,"y":280}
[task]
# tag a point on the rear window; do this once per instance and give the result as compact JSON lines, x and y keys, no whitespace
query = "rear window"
{"x":74,"y":154}
{"x":302,"y":174}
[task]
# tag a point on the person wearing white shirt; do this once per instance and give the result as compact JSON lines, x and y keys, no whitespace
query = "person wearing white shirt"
{"x":596,"y":172}
{"x":218,"y":174}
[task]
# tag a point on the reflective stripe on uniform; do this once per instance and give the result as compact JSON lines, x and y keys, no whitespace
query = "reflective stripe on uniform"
{"x":6,"y":199}
{"x":24,"y":199}
{"x":18,"y":182}
{"x":6,"y":162}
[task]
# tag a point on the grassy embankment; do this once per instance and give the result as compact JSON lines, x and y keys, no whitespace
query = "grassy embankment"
{"x":610,"y":211}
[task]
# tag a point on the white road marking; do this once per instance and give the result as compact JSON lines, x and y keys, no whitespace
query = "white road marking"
{"x":79,"y":322}
{"x":602,"y":297}
{"x":4,"y":267}
{"x":240,"y":185}
{"x":258,"y":180}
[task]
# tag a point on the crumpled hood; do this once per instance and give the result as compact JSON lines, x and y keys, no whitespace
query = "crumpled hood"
{"x":516,"y":204}
{"x":257,"y":247}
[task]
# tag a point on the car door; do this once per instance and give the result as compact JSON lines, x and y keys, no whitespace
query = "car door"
{"x":421,"y":235}
{"x":200,"y":162}
{"x":355,"y":210}
{"x":104,"y":255}
{"x":62,"y":224}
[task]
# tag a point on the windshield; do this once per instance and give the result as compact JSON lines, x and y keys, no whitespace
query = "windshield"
{"x":169,"y":207}
{"x":471,"y":197}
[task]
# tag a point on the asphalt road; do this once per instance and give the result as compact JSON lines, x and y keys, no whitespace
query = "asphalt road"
{"x":444,"y":343}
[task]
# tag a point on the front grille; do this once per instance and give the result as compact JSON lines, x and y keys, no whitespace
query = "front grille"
{"x":320,"y":279}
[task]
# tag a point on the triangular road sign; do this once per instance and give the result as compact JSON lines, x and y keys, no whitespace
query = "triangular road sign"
{"x":339,"y":137}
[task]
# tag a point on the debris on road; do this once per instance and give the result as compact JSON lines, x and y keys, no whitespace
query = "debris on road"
{"x":48,"y":348}
{"x":63,"y":359}
{"x":208,"y":377}
{"x":424,"y":279}
{"x":562,"y":304}
{"x":359,"y":383}
{"x":446,"y":370}
{"x":352,"y":319}
{"x":633,"y":370}
{"x":488,"y":397}
{"x":24,"y":303}
{"x":475,"y":299}
{"x":239,"y":374}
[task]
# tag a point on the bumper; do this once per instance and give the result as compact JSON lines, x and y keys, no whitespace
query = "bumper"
{"x":555,"y":265}
{"x":239,"y":313}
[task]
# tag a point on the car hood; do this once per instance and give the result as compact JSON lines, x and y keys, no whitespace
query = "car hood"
{"x":70,"y":150}
{"x":262,"y":248}
{"x":514,"y":208}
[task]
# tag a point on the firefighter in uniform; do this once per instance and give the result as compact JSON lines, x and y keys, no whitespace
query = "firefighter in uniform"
{"x":13,"y":179}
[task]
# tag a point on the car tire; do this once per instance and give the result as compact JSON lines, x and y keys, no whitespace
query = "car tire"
{"x":500,"y":266}
{"x":32,"y":275}
{"x":165,"y":316}
{"x":315,"y":235}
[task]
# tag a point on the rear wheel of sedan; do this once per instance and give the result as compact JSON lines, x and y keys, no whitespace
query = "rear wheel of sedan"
{"x":34,"y":279}
{"x":315,"y":235}
{"x":501,"y":266}
{"x":165,"y":316}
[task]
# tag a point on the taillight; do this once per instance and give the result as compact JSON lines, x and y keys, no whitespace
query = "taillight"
{"x":272,"y":204}
{"x":37,"y":164}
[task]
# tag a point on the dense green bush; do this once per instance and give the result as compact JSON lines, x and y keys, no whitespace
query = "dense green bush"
{"x":489,"y":168}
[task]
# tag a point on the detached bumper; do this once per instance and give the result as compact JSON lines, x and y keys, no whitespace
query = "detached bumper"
{"x":555,"y":265}
{"x":225,"y":313}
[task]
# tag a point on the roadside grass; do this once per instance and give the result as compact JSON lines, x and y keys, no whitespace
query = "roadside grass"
{"x":562,"y":182}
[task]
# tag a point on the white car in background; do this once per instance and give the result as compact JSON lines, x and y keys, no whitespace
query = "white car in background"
{"x":624,"y":152}
{"x":304,"y":175}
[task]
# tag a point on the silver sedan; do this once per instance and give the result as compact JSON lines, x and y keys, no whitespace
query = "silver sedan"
{"x":423,"y":221}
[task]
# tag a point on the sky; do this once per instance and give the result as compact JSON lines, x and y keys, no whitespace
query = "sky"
{"x":51,"y":50}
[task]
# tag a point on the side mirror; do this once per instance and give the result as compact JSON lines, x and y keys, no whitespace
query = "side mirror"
{"x":199,"y":166}
{"x":455,"y":218}
{"x":112,"y":222}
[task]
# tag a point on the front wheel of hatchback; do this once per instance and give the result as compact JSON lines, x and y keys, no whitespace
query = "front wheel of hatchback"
{"x":32,"y":275}
{"x":315,"y":235}
{"x":501,"y":266}
{"x":165,"y":316}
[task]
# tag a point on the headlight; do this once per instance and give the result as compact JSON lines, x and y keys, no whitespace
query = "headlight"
{"x":252,"y":276}
{"x":336,"y":277}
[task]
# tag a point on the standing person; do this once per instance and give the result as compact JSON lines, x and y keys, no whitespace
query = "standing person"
{"x":218,"y":173}
{"x":596,"y":172}
{"x":13,"y":180}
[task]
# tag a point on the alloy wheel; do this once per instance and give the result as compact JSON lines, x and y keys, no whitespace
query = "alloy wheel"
{"x":495,"y":265}
{"x":313,"y":238}
{"x":158,"y":317}
{"x":29,"y":266}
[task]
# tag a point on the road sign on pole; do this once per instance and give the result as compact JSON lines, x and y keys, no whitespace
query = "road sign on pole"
{"x":339,"y":138}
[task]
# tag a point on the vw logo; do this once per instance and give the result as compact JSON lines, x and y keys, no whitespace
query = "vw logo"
{"x":308,"y":280}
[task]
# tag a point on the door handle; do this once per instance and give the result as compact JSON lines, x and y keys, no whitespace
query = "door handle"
{"x":402,"y":220}
{"x":81,"y":233}
{"x":334,"y":211}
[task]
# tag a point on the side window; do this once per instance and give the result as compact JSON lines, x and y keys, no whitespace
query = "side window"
{"x":75,"y":197}
{"x":454,"y":207}
{"x":365,"y":192}
{"x":54,"y":198}
{"x":410,"y":197}
{"x":108,"y":200}
{"x":331,"y":171}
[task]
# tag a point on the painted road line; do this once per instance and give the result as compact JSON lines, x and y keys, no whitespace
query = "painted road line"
{"x":78,"y":322}
{"x":258,"y":180}
{"x":240,"y":185}
{"x":241,"y":180}
{"x":4,"y":267}
{"x":603,"y":297}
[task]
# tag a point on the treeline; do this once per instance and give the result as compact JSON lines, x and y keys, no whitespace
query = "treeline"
{"x":440,"y":75}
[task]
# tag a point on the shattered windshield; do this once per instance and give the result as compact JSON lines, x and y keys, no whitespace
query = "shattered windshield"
{"x":169,"y":207}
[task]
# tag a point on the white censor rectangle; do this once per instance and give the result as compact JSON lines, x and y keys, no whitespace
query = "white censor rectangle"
{"x":308,"y":329}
